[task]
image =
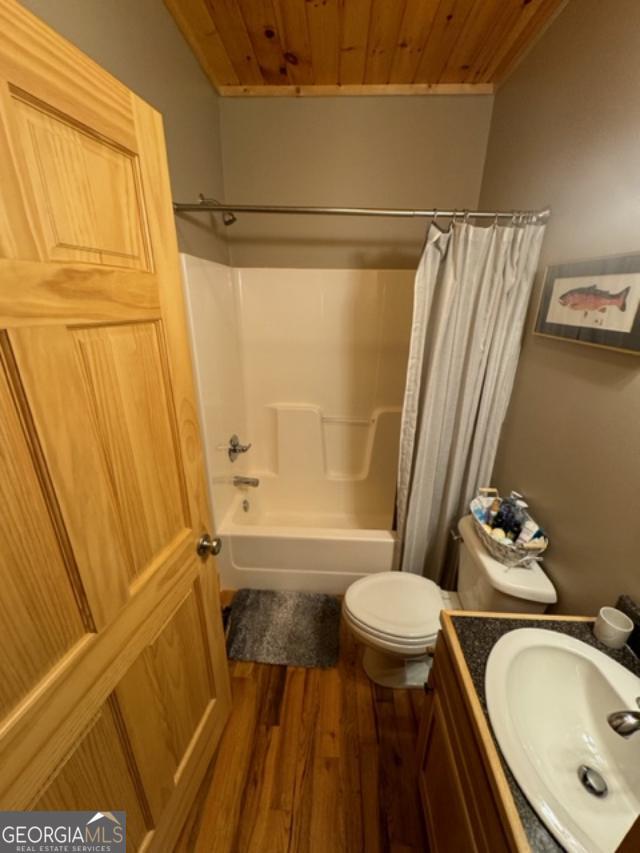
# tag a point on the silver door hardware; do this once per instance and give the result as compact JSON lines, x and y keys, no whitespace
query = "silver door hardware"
{"x":206,"y":545}
{"x":235,"y":448}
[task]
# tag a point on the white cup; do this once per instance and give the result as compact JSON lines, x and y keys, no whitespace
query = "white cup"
{"x":612,"y":627}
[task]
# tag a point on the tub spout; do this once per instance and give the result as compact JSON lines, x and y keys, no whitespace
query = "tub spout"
{"x":254,"y":482}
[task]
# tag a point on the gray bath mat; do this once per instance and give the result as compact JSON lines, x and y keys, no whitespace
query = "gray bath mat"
{"x":286,"y":628}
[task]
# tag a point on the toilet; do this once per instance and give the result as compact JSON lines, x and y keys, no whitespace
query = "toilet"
{"x":396,"y":614}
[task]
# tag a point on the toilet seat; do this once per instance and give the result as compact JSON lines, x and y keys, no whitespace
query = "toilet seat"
{"x":428,"y":639}
{"x":397,"y":645}
{"x":397,"y":648}
{"x":398,"y":609}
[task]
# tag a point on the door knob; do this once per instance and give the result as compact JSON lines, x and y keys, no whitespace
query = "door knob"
{"x":206,"y":545}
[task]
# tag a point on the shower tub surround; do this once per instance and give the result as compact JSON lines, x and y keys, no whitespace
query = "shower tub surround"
{"x":309,"y":366}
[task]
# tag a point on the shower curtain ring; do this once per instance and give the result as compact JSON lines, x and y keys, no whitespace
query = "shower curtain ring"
{"x":465,"y":217}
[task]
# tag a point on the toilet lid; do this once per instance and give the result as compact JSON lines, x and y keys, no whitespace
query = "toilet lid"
{"x":396,"y":604}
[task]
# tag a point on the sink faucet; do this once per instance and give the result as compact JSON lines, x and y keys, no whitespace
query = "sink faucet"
{"x":246,"y":481}
{"x":624,"y":723}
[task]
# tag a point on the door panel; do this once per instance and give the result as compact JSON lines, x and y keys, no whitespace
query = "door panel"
{"x":38,"y":62}
{"x":113,"y":680}
{"x":43,"y":596}
{"x":87,"y":190}
{"x":126,"y":382}
{"x":82,"y":781}
{"x":166,"y":697}
{"x":77,"y":466}
{"x":44,"y":728}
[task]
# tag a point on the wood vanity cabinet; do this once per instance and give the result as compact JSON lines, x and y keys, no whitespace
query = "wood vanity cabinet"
{"x":461,"y":788}
{"x":467,"y":801}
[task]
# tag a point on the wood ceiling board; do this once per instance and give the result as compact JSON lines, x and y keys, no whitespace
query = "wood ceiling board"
{"x":417,"y":21}
{"x":447,"y":27}
{"x":501,"y":34}
{"x":479,"y":29}
{"x":196,"y":24}
{"x":323,"y":19}
{"x":291,"y":18}
{"x":230,"y":24}
{"x":355,"y":36}
{"x":385,"y":22}
{"x":289,"y":47}
{"x":260,"y":22}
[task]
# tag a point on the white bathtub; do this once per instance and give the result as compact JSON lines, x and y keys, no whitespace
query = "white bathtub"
{"x":324,"y":549}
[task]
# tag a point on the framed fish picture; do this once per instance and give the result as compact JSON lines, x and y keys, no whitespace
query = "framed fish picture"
{"x":593,"y":302}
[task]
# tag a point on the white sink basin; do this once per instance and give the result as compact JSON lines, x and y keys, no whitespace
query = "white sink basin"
{"x":548,"y":697}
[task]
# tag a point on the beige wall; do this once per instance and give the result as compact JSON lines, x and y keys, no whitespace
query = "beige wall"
{"x":376,"y":152}
{"x":566,"y":132}
{"x":138,"y":42}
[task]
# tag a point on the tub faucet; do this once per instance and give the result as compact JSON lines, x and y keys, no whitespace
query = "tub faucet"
{"x":246,"y":481}
{"x":624,"y":723}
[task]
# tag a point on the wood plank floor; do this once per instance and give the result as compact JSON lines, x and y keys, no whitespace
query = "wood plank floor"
{"x":312,"y":761}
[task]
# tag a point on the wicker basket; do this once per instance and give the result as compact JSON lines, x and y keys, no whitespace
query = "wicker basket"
{"x":511,"y":554}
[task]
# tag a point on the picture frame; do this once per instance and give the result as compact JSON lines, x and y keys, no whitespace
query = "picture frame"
{"x":593,"y":302}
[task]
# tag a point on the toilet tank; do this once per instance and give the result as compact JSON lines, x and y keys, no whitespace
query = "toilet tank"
{"x":486,"y":584}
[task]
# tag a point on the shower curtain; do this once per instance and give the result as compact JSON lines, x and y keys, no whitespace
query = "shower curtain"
{"x":472,"y":289}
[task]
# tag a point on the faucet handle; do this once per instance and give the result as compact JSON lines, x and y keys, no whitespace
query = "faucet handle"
{"x":236,"y":448}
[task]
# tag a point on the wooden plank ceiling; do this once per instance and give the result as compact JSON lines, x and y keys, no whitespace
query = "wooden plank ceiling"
{"x":328,"y":47}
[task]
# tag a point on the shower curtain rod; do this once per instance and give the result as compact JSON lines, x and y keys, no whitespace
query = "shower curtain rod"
{"x":231,"y":209}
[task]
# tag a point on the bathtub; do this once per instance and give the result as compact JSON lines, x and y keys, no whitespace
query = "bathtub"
{"x":321,"y":542}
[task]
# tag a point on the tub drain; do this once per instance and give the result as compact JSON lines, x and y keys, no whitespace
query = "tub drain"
{"x":592,"y":781}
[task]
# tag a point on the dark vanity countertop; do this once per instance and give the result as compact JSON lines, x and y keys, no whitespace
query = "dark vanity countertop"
{"x":477,"y":635}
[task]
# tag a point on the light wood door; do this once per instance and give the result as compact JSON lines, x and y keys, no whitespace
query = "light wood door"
{"x":113,"y":680}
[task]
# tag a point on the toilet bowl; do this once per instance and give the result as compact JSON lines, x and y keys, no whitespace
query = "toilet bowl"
{"x":396,"y":615}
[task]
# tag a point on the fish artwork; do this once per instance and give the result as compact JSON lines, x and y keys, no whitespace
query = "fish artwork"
{"x":593,"y":299}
